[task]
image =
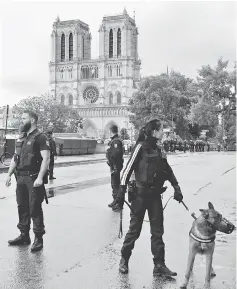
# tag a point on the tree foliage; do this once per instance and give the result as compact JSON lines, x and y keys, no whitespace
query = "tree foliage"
{"x":167,"y":97}
{"x":217,"y":100}
{"x":62,"y":118}
{"x":124,"y":134}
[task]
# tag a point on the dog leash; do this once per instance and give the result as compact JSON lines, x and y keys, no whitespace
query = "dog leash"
{"x":192,"y":214}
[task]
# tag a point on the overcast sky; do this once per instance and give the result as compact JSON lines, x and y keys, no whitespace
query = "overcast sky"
{"x":182,"y":35}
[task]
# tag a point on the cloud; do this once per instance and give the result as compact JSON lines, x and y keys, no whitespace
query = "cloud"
{"x":183,"y":35}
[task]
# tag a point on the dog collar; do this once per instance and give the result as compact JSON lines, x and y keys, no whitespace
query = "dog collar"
{"x":201,"y":240}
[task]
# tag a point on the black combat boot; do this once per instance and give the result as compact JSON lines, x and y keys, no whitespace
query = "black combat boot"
{"x":116,"y":208}
{"x":123,"y":266}
{"x":38,"y":244}
{"x":112,"y":204}
{"x":161,"y":269}
{"x":52,"y":178}
{"x":23,"y":239}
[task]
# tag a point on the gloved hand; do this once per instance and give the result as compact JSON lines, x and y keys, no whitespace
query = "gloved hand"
{"x":178,"y":196}
{"x":121,"y":196}
{"x":114,"y":170}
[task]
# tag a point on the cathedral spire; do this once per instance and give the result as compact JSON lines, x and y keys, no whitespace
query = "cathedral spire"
{"x":57,"y":19}
{"x":125,"y":11}
{"x":134,"y":15}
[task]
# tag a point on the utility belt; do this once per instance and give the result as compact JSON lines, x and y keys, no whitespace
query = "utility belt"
{"x":33,"y":175}
{"x":26,"y":173}
{"x":144,"y":191}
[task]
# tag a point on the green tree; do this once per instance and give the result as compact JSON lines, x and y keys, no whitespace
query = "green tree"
{"x":168,"y":97}
{"x":62,"y":118}
{"x":216,"y":90}
{"x":124,"y":134}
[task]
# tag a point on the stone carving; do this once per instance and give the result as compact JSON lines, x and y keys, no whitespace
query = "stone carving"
{"x":91,"y":94}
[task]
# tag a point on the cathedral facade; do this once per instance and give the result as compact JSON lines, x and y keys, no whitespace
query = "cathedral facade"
{"x":99,"y":88}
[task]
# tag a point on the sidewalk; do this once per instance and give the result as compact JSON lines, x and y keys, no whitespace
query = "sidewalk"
{"x":69,"y":171}
{"x":63,"y":161}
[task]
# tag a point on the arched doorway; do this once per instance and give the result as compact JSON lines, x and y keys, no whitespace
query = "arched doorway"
{"x":89,"y":128}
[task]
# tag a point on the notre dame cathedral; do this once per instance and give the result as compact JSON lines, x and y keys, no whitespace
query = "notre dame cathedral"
{"x":99,"y":88}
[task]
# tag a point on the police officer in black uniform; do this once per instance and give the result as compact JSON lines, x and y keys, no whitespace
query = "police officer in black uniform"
{"x":30,"y":163}
{"x":151,"y":171}
{"x":53,"y":153}
{"x":114,"y":156}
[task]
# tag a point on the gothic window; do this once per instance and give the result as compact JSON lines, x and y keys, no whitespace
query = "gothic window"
{"x":118,"y":98}
{"x":118,"y":70}
{"x":119,"y":42}
{"x":70,"y":46}
{"x":83,"y":47}
{"x":63,"y":47}
{"x":91,"y":94}
{"x":110,"y":43}
{"x":110,"y":70}
{"x":62,"y":99}
{"x":96,"y":73}
{"x":70,"y":100}
{"x":110,"y":98}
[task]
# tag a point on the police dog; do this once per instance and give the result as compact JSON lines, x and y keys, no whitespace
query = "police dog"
{"x":202,"y":240}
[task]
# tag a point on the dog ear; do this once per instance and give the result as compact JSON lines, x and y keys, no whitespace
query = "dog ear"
{"x":204,"y":213}
{"x":210,"y":206}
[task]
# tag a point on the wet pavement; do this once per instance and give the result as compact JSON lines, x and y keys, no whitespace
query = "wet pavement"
{"x":81,"y":245}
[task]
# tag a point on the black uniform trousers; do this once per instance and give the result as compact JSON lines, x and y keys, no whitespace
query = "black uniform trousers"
{"x":115,"y":183}
{"x":29,"y":201}
{"x":51,"y":166}
{"x":155,"y":212}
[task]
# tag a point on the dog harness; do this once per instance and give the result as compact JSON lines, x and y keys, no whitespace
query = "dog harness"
{"x":201,"y":240}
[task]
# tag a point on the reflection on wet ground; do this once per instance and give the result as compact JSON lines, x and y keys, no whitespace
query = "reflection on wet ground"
{"x":55,"y":191}
{"x":82,"y":249}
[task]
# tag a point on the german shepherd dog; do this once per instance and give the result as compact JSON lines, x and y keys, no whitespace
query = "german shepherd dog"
{"x":202,"y":240}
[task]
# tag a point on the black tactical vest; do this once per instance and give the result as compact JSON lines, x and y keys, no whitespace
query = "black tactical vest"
{"x":28,"y":159}
{"x":149,"y":169}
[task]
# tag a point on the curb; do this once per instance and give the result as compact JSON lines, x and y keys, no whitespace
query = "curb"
{"x":76,"y":163}
{"x":68,"y":164}
{"x":65,"y":164}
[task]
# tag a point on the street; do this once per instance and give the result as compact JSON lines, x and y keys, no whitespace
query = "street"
{"x":81,"y":244}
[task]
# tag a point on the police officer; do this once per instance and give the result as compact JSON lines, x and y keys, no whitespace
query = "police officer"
{"x":30,"y":162}
{"x":114,"y":156}
{"x":208,"y":146}
{"x":53,"y":153}
{"x":151,"y":171}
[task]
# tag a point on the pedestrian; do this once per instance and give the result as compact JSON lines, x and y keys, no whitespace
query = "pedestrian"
{"x":208,"y":146}
{"x":219,"y":147}
{"x":151,"y":171}
{"x":185,"y":145}
{"x":30,"y":162}
{"x":114,"y":156}
{"x":53,"y":153}
{"x":225,"y":146}
{"x":180,"y":146}
{"x":191,"y":145}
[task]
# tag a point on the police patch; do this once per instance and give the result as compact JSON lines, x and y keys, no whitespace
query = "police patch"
{"x":29,"y":143}
{"x":115,"y":145}
{"x":47,"y":143}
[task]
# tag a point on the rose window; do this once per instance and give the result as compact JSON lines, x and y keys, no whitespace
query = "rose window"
{"x":91,"y":94}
